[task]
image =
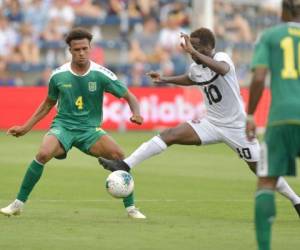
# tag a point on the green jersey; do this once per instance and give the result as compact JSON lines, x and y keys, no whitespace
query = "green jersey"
{"x":278,"y":49}
{"x":80,"y":97}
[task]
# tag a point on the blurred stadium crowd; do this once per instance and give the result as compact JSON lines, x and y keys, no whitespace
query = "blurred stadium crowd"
{"x":131,"y":37}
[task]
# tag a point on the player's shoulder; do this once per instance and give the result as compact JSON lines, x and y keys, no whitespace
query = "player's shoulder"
{"x":103,"y":71}
{"x":194,"y":67}
{"x":224,"y":57}
{"x":201,"y":74}
{"x":61,"y":69}
{"x":220,"y":56}
{"x":274,"y":31}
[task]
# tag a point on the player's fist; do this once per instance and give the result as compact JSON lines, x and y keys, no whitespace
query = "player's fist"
{"x":250,"y":130}
{"x":154,"y":76}
{"x":137,"y":119}
{"x":17,"y":131}
{"x":186,"y":43}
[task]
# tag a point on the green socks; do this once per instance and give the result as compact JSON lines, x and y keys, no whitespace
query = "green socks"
{"x":264,"y":216}
{"x":31,"y":177}
{"x":129,"y":201}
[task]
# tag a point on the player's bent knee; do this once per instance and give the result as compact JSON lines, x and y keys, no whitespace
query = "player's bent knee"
{"x":267,"y":182}
{"x":169,"y":136}
{"x":43,"y":157}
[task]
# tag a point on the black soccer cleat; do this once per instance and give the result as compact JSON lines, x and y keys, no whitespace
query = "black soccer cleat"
{"x":113,"y":165}
{"x":297,"y":207}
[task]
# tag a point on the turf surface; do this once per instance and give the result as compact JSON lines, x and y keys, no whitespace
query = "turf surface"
{"x":194,"y":198}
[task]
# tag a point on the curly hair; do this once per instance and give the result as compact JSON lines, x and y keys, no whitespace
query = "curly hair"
{"x":78,"y":34}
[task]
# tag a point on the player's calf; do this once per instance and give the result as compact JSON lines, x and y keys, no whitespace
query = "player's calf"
{"x":297,"y":207}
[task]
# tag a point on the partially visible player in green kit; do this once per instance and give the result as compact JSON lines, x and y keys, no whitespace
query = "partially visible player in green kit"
{"x":277,"y":51}
{"x":77,"y":88}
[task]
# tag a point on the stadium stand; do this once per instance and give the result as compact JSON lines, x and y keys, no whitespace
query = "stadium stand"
{"x":32,"y":35}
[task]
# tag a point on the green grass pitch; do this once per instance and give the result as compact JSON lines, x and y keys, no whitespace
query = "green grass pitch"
{"x":194,"y":198}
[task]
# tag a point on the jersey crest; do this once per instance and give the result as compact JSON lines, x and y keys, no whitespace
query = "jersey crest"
{"x":92,"y":86}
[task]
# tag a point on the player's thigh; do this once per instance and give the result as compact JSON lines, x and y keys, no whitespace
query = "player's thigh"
{"x":183,"y":134}
{"x":236,"y":139}
{"x":204,"y":131}
{"x":279,"y":150}
{"x":106,"y":147}
{"x":65,"y":138}
{"x":49,"y":148}
{"x":252,"y":165}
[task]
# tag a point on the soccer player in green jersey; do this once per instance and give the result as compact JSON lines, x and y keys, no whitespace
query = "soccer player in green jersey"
{"x":277,"y":51}
{"x":77,"y":88}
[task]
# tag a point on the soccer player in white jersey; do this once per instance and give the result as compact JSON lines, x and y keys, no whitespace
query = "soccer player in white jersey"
{"x":215,"y":74}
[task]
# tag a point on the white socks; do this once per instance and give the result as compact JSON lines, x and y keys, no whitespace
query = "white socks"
{"x":152,"y":147}
{"x":18,"y":202}
{"x":283,"y":188}
{"x":156,"y":145}
{"x":130,"y":208}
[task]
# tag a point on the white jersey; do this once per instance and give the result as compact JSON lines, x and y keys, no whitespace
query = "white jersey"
{"x":221,"y":93}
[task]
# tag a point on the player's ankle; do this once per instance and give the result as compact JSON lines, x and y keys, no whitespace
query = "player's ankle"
{"x":130,"y":207}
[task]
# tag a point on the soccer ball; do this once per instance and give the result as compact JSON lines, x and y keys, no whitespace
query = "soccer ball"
{"x":119,"y":184}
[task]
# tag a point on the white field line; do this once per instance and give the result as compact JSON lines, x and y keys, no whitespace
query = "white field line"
{"x":137,"y":200}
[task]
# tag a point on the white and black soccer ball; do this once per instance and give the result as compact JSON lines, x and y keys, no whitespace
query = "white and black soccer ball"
{"x":119,"y":184}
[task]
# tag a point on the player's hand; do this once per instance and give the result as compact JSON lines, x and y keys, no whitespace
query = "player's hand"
{"x":137,"y":119}
{"x":250,"y":130}
{"x":186,"y":44}
{"x":155,"y":76}
{"x":17,"y":131}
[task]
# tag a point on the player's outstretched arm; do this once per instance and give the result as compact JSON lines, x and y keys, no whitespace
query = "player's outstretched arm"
{"x":38,"y":115}
{"x":182,"y":80}
{"x":217,"y":66}
{"x":134,"y":107}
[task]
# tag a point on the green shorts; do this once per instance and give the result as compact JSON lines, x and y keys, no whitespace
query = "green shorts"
{"x":81,"y":139}
{"x":279,"y":150}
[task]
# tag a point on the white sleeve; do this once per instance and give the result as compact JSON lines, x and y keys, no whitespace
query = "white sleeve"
{"x":192,"y":73}
{"x":223,"y":57}
{"x":201,"y":75}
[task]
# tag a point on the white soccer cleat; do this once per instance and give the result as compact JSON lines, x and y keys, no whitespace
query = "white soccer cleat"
{"x":134,"y":213}
{"x":15,"y":208}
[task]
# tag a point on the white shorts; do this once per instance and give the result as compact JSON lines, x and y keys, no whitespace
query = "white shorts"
{"x":235,"y":138}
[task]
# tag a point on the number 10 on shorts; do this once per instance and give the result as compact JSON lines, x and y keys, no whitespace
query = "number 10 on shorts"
{"x":244,"y":153}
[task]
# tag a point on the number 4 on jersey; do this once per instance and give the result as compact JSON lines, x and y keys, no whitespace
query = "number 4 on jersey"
{"x":79,"y":102}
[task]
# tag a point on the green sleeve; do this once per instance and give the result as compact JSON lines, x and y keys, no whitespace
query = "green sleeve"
{"x":261,"y":52}
{"x":115,"y":87}
{"x":52,"y":89}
